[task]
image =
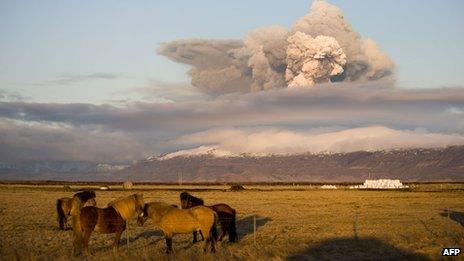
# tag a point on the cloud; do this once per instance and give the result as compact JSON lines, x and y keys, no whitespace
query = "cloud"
{"x":264,"y":141}
{"x":70,"y":78}
{"x":165,"y":92}
{"x":323,"y":105}
{"x":321,"y":46}
{"x":6,"y":96}
{"x":21,"y":140}
{"x":135,"y":129}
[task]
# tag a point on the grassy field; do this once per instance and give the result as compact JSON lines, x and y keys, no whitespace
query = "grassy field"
{"x":293,"y":223}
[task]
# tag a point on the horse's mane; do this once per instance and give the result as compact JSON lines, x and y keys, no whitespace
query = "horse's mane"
{"x":85,"y":195}
{"x":126,"y":207}
{"x":159,"y":208}
{"x":191,"y":199}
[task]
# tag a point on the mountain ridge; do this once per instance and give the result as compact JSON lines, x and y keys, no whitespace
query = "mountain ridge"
{"x":409,"y":165}
{"x":426,"y":165}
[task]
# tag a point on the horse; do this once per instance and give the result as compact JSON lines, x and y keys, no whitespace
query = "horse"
{"x":63,"y":205}
{"x":111,"y":219}
{"x":226,"y":214}
{"x":172,"y":221}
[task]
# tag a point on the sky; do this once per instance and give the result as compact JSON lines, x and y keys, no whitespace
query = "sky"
{"x":48,"y":47}
{"x":114,"y":81}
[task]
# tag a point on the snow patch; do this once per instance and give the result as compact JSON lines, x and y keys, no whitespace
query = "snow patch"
{"x":202,"y":150}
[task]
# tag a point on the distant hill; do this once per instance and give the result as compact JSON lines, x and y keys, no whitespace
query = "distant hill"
{"x":58,"y":170}
{"x":421,"y":165}
{"x":413,"y":165}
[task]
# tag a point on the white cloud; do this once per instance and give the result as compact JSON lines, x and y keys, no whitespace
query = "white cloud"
{"x":263,"y":141}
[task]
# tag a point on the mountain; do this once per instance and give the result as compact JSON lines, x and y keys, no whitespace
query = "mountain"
{"x":57,"y":170}
{"x":208,"y":165}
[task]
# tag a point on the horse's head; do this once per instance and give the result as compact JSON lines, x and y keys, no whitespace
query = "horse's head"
{"x":188,"y":201}
{"x":87,"y":197}
{"x":184,"y":199}
{"x":139,"y":204}
{"x":128,"y":207}
{"x":143,"y":216}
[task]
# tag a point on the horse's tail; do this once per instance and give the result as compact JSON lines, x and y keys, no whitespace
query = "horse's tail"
{"x":61,"y":215}
{"x":233,"y":230}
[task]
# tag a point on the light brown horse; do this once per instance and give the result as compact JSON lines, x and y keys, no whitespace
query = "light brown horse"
{"x":103,"y":220}
{"x":63,"y":206}
{"x":172,"y":221}
{"x":225,"y":213}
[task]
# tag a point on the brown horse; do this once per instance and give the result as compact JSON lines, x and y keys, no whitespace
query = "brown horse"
{"x":225,"y":213}
{"x":63,"y":205}
{"x":172,"y":221}
{"x":103,"y":220}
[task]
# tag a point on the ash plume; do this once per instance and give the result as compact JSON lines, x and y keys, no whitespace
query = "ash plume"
{"x":320,"y":47}
{"x":311,"y":60}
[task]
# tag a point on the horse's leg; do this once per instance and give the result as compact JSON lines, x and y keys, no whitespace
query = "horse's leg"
{"x":87,"y":233}
{"x":67,"y":223}
{"x":117,"y":237}
{"x":168,"y":243}
{"x":194,"y":237}
{"x":213,"y":237}
{"x":201,"y":234}
{"x":213,"y":244}
{"x":207,"y":242}
{"x":77,"y":245}
{"x":224,"y":227}
{"x":77,"y":237}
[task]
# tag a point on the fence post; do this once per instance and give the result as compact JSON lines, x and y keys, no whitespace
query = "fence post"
{"x":127,"y":235}
{"x":254,"y":229}
{"x":356,"y":221}
{"x":448,"y":227}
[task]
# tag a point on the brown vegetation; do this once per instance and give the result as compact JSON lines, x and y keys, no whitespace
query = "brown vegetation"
{"x":292,"y":223}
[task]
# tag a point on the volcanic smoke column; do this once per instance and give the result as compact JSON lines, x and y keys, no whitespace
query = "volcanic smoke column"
{"x":312,"y":60}
{"x":321,"y":46}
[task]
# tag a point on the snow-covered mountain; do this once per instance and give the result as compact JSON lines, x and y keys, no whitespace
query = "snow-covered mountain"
{"x":208,"y":164}
{"x":211,"y":165}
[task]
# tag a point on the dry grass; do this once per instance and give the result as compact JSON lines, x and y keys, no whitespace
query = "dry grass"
{"x":292,"y":224}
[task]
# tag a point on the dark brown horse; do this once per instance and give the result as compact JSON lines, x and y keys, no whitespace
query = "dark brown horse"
{"x":63,"y":205}
{"x":226,"y":215}
{"x":103,"y":220}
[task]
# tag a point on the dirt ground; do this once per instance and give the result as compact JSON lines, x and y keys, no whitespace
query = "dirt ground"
{"x":292,"y":223}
